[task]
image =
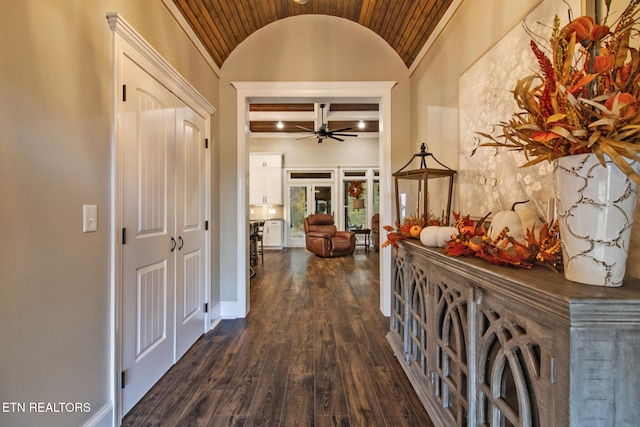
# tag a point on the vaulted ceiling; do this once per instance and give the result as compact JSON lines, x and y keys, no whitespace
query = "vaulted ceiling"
{"x":221,"y":25}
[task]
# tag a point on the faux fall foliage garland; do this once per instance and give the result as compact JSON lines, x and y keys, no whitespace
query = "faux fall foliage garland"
{"x":540,"y":247}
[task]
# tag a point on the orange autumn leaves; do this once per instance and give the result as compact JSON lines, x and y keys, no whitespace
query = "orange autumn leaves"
{"x":472,"y":241}
{"x":584,"y":99}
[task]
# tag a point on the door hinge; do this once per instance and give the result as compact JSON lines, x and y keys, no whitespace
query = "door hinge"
{"x":206,"y":225}
{"x":124,"y":236}
{"x":206,"y":143}
{"x":124,"y":93}
{"x":206,"y":307}
{"x":123,"y":377}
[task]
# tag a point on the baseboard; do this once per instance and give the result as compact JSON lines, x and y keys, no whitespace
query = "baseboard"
{"x":229,"y":310}
{"x":102,"y":418}
{"x":214,"y":316}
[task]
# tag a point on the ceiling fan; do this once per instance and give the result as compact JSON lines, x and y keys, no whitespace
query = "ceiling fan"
{"x":323,"y":132}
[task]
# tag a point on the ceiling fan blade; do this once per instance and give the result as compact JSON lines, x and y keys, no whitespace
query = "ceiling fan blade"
{"x":307,"y":129}
{"x":337,"y":139}
{"x":345,"y":134}
{"x":340,"y":130}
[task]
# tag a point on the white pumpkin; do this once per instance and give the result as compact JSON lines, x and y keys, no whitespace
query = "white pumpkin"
{"x":437,"y":236}
{"x":444,"y":235}
{"x":429,"y":235}
{"x":518,"y":221}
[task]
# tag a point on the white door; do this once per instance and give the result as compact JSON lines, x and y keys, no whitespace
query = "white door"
{"x":148,"y":262}
{"x":191,"y":233}
{"x":304,"y":200}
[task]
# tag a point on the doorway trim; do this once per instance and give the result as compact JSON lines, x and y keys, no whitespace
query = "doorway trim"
{"x":371,"y":92}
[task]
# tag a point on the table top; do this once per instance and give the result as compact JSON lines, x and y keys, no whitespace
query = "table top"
{"x":360,"y":230}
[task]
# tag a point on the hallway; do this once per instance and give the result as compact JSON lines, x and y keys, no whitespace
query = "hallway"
{"x":311,"y":352}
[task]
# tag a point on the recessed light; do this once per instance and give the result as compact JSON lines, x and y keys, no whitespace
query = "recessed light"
{"x":360,"y":124}
{"x":280,"y":125}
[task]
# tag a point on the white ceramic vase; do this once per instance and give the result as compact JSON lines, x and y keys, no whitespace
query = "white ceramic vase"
{"x":594,"y":205}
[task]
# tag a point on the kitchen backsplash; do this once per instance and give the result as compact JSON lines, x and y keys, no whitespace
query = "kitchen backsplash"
{"x":266,"y":211}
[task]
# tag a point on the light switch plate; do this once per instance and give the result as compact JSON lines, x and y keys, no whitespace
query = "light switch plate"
{"x":89,"y":218}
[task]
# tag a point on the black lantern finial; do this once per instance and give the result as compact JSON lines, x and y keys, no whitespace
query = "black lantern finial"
{"x":423,"y":154}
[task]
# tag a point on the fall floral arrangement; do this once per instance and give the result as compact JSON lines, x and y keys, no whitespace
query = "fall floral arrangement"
{"x":409,"y":228}
{"x":584,"y":98}
{"x":355,"y":189}
{"x":542,"y":248}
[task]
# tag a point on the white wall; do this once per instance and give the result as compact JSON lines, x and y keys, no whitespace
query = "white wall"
{"x":361,"y":151}
{"x":55,"y":156}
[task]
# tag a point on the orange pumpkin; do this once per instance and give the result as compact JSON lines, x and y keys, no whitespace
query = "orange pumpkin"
{"x":414,"y":231}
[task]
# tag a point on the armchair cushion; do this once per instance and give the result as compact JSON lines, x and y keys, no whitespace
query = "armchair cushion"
{"x":323,"y":239}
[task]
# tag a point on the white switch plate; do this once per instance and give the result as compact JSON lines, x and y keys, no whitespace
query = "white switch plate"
{"x":89,"y":218}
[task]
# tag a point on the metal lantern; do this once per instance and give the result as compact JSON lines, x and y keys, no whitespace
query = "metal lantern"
{"x":425,"y":192}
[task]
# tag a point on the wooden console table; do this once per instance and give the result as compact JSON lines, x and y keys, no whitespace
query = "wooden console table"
{"x":494,"y":346}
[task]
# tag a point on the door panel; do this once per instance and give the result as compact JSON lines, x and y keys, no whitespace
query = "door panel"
{"x":191,"y":245}
{"x":320,"y":195}
{"x":151,"y":308}
{"x":297,"y":213}
{"x":148,"y":123}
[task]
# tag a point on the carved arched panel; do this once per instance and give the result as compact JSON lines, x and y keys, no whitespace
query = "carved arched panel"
{"x":451,"y":376}
{"x":398,"y":296}
{"x":509,"y":366}
{"x":418,"y":293}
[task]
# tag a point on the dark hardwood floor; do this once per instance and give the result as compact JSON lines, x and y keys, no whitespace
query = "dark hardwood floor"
{"x":311,"y":352}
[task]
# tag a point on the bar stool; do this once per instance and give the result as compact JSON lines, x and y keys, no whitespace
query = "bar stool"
{"x":256,"y":247}
{"x":259,"y":241}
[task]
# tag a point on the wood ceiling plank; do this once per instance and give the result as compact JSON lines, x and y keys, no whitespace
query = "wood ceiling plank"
{"x":281,"y":7}
{"x":246,"y":19}
{"x":203,"y":28}
{"x":215,"y":22}
{"x":434,"y":11}
{"x":271,"y":126}
{"x":370,"y":125}
{"x":366,"y":13}
{"x":353,"y":107}
{"x":352,"y":10}
{"x":232,"y":21}
{"x":281,"y":107}
{"x":394,"y":31}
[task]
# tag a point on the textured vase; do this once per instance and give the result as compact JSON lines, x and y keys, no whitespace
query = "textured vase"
{"x":594,"y":206}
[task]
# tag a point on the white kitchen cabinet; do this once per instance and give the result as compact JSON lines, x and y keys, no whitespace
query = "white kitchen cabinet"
{"x":265,"y":179}
{"x":272,"y":235}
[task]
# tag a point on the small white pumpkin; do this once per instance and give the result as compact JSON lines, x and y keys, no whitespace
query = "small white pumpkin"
{"x":437,"y":236}
{"x":429,"y":235}
{"x":518,"y":222}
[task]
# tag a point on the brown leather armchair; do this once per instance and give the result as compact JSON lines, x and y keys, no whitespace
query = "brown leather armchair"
{"x":375,"y":232}
{"x":323,"y":239}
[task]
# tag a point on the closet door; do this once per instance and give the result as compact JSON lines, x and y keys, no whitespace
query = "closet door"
{"x":148,"y":261}
{"x":191,"y":233}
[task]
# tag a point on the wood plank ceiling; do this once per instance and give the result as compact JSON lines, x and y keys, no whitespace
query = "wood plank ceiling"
{"x":295,"y":118}
{"x":221,"y":25}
